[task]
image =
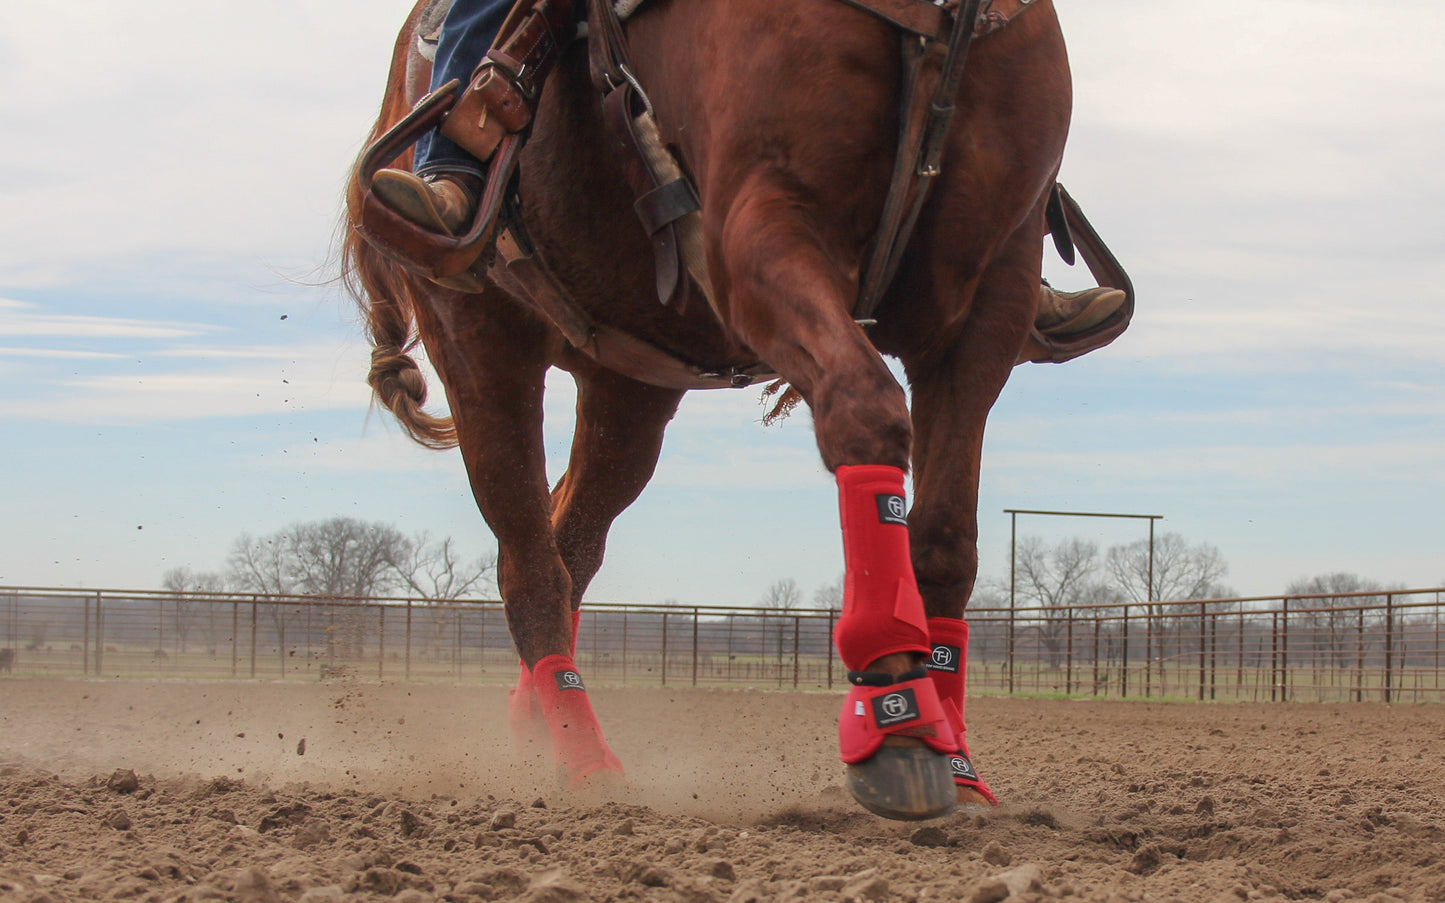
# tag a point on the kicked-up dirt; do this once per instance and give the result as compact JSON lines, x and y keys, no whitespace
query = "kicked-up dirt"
{"x":323,"y":792}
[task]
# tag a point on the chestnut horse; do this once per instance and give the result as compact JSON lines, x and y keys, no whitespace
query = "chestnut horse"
{"x":786,"y":117}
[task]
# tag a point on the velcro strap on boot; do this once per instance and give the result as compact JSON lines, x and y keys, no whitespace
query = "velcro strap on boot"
{"x":879,"y":706}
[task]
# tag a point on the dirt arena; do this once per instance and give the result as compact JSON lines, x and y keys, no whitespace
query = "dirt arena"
{"x":331,"y":792}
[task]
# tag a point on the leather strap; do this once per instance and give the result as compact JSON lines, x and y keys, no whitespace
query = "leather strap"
{"x":928,"y":110}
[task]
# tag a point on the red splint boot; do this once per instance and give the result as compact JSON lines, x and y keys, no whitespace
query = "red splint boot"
{"x":893,"y":734}
{"x":879,"y":706}
{"x":948,"y":666}
{"x":577,"y":738}
{"x":524,"y":709}
{"x":524,"y":715}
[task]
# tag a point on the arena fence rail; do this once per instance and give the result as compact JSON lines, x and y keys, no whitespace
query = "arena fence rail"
{"x":1381,"y":646}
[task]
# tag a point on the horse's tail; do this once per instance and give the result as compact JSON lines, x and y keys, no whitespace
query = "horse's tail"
{"x":387,"y":295}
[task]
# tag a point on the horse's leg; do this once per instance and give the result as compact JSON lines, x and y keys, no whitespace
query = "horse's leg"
{"x":789,"y":302}
{"x":493,"y":359}
{"x":953,"y":390}
{"x":615,"y":446}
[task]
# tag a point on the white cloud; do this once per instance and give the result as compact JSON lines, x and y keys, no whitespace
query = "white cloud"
{"x":309,"y":380}
{"x":19,"y":319}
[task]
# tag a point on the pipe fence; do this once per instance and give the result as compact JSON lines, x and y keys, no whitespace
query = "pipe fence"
{"x":1376,"y":646}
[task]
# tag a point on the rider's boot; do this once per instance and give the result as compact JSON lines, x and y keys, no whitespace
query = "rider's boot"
{"x":1064,"y":314}
{"x":439,"y":222}
{"x":444,"y":203}
{"x":894,"y":733}
{"x":948,"y":667}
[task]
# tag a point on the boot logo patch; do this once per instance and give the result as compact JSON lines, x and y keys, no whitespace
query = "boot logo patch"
{"x":895,"y":708}
{"x":891,"y":509}
{"x":569,"y":680}
{"x":945,"y":658}
{"x":962,"y":768}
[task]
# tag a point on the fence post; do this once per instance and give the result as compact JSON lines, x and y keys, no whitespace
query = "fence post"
{"x":664,"y":649}
{"x":829,"y":646}
{"x":694,"y":647}
{"x":255,"y":614}
{"x":624,"y":646}
{"x":380,"y":639}
{"x":85,"y":643}
{"x":796,"y":623}
{"x":406,"y":669}
{"x":235,"y":637}
{"x":1124,"y":666}
{"x":1389,"y":644}
{"x":1284,"y":676}
{"x":1202,"y":609}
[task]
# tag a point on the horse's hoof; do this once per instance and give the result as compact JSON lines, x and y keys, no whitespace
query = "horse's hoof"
{"x":904,"y":782}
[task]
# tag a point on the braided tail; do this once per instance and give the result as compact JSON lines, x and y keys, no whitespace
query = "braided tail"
{"x":387,"y":295}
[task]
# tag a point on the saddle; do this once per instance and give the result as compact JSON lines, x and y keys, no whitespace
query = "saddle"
{"x":493,"y":118}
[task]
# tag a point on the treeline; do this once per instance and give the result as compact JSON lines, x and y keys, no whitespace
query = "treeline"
{"x":344,"y":557}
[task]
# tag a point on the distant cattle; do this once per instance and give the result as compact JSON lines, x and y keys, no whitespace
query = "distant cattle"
{"x":7,"y":660}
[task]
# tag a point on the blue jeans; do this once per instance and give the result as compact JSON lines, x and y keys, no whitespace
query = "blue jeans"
{"x":467,"y":34}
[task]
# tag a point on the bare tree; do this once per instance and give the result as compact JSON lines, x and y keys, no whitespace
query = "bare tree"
{"x":1180,"y":571}
{"x":436,"y":571}
{"x":782,"y":596}
{"x":340,"y":557}
{"x":1338,"y":623}
{"x":188,"y":584}
{"x":829,"y":595}
{"x":1057,"y":581}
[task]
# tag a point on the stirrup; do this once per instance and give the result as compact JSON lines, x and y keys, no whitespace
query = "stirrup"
{"x":445,"y":259}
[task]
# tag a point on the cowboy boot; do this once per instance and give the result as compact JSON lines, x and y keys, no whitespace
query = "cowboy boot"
{"x":444,"y":204}
{"x":1064,"y":314}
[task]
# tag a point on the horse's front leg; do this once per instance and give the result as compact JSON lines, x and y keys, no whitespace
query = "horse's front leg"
{"x":787,"y":299}
{"x":953,"y":391}
{"x":493,"y":359}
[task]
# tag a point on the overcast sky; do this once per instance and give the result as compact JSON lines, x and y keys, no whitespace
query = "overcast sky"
{"x":175,"y":369}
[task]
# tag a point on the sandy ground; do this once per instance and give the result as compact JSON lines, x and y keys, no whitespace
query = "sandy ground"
{"x":414,"y":793}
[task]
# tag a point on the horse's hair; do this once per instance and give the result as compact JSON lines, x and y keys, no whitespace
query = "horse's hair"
{"x":386,"y":297}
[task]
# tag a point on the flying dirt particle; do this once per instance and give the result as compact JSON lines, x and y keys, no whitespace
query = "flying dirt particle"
{"x":284,"y":316}
{"x":301,"y":747}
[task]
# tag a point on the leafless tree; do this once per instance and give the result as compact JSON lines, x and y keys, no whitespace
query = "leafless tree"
{"x":1055,"y":581}
{"x":1338,"y":623}
{"x":435,"y":570}
{"x":829,"y":595}
{"x":1180,"y":571}
{"x":781,"y":597}
{"x":187,"y":585}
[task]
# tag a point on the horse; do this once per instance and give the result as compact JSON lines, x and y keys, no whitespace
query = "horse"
{"x":786,"y":117}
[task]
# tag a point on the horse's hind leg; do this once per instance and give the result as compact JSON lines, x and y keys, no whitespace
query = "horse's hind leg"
{"x":953,"y":391}
{"x":615,"y":446}
{"x":493,"y":359}
{"x":789,"y":302}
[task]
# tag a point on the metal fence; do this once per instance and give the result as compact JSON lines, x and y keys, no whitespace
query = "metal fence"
{"x":1380,"y":646}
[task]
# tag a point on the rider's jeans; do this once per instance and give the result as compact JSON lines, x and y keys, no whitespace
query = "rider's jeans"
{"x":467,"y":34}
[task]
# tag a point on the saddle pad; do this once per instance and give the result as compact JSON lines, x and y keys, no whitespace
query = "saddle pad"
{"x":429,"y":28}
